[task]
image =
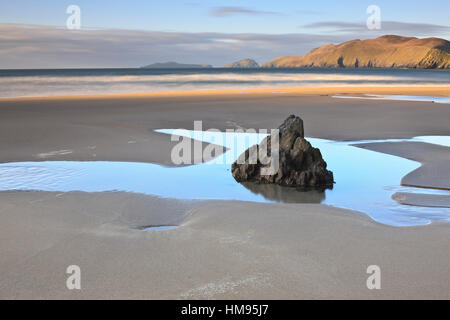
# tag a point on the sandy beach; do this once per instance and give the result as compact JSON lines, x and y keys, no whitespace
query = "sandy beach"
{"x":219,"y":249}
{"x":418,"y":90}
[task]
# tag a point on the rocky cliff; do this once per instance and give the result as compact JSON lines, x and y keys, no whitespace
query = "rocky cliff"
{"x":246,"y":63}
{"x":384,"y":52}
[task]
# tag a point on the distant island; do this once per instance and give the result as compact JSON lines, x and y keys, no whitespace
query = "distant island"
{"x":388,"y":51}
{"x":175,"y":65}
{"x":244,"y":64}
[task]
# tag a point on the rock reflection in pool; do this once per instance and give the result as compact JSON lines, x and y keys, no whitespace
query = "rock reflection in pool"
{"x":365,"y":181}
{"x":279,"y":193}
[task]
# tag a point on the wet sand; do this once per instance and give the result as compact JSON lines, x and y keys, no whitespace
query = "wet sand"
{"x":220,"y":249}
{"x":121,"y":128}
{"x":425,"y":200}
{"x":413,"y":90}
{"x":434,"y":171}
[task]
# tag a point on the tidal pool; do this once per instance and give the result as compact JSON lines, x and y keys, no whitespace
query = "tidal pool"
{"x":157,"y":228}
{"x":365,"y":180}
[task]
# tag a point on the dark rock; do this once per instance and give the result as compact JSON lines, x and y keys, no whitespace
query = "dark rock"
{"x":300,"y":164}
{"x":243,"y":64}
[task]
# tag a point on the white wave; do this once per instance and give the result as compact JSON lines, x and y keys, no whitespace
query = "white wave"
{"x":26,"y":86}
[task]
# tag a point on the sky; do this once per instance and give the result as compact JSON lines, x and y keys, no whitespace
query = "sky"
{"x":33,"y":34}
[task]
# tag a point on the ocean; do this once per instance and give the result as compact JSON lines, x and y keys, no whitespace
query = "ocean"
{"x":58,"y":82}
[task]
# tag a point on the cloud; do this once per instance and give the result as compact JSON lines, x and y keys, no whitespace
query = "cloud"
{"x":336,"y":25}
{"x":32,"y":46}
{"x":387,"y":27}
{"x":229,"y":11}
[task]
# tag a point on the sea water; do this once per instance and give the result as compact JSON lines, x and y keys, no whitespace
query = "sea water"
{"x":365,"y":179}
{"x":63,"y":82}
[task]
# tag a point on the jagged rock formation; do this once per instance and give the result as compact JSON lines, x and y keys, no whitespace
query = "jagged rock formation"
{"x":245,"y":64}
{"x":384,"y":52}
{"x":300,"y":164}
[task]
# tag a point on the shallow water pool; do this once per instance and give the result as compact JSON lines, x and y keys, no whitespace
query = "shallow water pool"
{"x":365,"y":180}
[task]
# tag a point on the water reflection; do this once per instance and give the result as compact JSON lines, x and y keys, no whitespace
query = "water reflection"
{"x":156,"y":228}
{"x":285,"y":194}
{"x":365,"y":179}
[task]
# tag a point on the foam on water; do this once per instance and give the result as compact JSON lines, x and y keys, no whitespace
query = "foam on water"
{"x":28,"y":83}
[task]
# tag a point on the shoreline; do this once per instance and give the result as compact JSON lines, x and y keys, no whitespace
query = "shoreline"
{"x":291,"y":250}
{"x":432,"y":173}
{"x":419,"y":90}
